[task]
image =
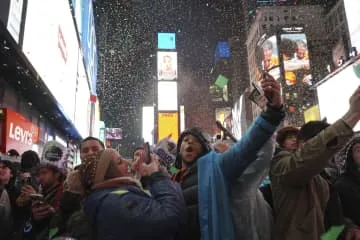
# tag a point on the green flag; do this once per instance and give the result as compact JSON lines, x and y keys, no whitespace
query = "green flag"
{"x":221,"y":81}
{"x":333,"y":233}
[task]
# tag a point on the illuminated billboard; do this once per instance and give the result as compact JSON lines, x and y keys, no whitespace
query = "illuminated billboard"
{"x":168,"y":124}
{"x":51,"y":45}
{"x":167,"y":66}
{"x":114,"y":134}
{"x":167,"y":96}
{"x":14,"y":20}
{"x":267,"y":57}
{"x":82,"y":108}
{"x":167,"y":41}
{"x":295,"y":55}
{"x":334,"y":105}
{"x":148,"y":124}
{"x":352,"y":9}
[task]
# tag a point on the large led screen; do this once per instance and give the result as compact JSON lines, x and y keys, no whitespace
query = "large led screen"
{"x":352,"y":9}
{"x":167,"y":41}
{"x":267,"y":57}
{"x":114,"y":133}
{"x":168,"y":125}
{"x":51,"y":45}
{"x":334,"y":94}
{"x":167,"y":66}
{"x":295,"y":55}
{"x":82,"y":110}
{"x":14,"y":20}
{"x":167,"y":96}
{"x":148,"y":123}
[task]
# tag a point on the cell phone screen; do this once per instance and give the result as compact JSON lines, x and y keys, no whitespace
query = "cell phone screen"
{"x":147,"y":158}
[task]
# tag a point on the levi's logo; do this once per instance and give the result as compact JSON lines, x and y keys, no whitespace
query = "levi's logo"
{"x":17,"y":133}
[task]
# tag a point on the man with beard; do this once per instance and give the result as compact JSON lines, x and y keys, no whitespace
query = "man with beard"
{"x":206,"y":177}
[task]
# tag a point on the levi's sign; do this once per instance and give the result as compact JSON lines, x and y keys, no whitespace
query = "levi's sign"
{"x":21,"y":133}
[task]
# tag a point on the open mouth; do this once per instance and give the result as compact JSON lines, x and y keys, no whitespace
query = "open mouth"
{"x":189,"y":149}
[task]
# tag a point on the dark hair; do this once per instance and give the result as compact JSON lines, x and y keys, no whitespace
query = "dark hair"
{"x":138,"y":148}
{"x":287,"y":47}
{"x":311,"y":129}
{"x":92,"y":139}
{"x":29,"y":160}
{"x":285,"y":132}
{"x":13,"y":153}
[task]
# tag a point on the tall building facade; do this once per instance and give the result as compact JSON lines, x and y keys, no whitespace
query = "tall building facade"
{"x":282,"y":31}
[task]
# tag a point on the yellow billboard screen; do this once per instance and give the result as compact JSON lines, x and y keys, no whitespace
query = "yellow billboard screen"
{"x":312,"y":114}
{"x":168,"y":124}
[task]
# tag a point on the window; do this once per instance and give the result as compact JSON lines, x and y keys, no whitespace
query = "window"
{"x":271,"y":19}
{"x":286,"y":18}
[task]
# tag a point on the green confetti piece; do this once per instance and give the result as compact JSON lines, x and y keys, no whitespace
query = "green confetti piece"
{"x":333,"y":233}
{"x":221,"y":81}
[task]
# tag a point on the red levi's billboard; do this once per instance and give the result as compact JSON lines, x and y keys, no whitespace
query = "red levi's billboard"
{"x":21,"y":134}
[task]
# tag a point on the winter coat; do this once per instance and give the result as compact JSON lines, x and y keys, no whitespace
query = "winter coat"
{"x":127,"y":212}
{"x":216,"y":175}
{"x":5,"y":215}
{"x":300,"y":194}
{"x":348,"y":186}
{"x":251,"y":213}
{"x":189,"y":186}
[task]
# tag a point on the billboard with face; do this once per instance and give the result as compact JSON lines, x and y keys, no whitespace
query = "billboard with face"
{"x":167,"y":66}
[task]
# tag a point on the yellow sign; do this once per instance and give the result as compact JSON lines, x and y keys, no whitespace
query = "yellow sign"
{"x":168,"y":124}
{"x":312,"y":114}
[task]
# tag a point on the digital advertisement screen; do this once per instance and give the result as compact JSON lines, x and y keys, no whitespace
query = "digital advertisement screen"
{"x":14,"y":20}
{"x":295,"y":55}
{"x":114,"y":133}
{"x":167,"y":96}
{"x":168,"y":124}
{"x":51,"y":45}
{"x":166,"y":41}
{"x":238,"y":115}
{"x":334,"y":94}
{"x":267,"y":57}
{"x":82,"y":112}
{"x":148,"y":124}
{"x":352,"y":9}
{"x":88,"y":41}
{"x":167,"y":66}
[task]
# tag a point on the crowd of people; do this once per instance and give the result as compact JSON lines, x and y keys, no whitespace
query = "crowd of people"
{"x":193,"y":189}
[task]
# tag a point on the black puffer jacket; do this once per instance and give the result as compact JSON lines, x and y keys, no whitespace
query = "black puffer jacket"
{"x":189,"y":184}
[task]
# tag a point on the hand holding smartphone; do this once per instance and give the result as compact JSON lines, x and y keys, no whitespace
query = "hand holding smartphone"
{"x":147,"y":157}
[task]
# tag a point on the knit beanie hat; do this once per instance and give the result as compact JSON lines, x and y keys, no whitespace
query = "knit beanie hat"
{"x":54,"y":156}
{"x":199,"y":135}
{"x":29,"y":160}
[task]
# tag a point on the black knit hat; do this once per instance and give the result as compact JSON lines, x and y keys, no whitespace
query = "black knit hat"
{"x":199,"y":135}
{"x":29,"y":160}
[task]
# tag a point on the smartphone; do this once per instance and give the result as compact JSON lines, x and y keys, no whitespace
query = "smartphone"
{"x":37,"y":197}
{"x":147,"y":157}
{"x":26,"y":181}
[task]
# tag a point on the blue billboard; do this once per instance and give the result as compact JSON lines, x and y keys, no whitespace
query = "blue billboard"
{"x":222,"y":51}
{"x":88,"y":41}
{"x":166,"y":41}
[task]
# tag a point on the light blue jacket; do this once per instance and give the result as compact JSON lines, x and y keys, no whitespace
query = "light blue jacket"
{"x":216,"y":174}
